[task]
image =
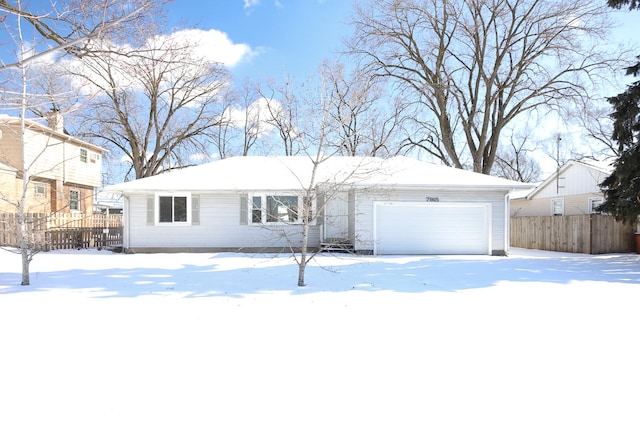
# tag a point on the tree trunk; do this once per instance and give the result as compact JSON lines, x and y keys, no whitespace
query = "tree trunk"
{"x":301,"y":268}
{"x":23,"y":241}
{"x":302,"y":265}
{"x":24,"y":253}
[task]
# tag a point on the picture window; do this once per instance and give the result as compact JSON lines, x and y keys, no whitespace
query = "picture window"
{"x":173,"y":209}
{"x":279,"y":208}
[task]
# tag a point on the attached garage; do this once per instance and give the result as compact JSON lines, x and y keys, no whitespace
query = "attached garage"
{"x":405,"y":228}
{"x":368,"y":205}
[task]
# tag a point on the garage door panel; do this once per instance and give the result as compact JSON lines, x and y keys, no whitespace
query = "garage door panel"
{"x":432,"y":229}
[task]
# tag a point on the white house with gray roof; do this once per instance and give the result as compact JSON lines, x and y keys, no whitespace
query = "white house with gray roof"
{"x":370,"y":205}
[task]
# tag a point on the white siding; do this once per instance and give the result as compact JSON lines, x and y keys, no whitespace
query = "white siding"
{"x":576,"y":179}
{"x":219,"y":228}
{"x":86,"y":173}
{"x":573,"y":205}
{"x":49,"y":164}
{"x":48,"y":157}
{"x":577,"y":184}
{"x":364,"y":217}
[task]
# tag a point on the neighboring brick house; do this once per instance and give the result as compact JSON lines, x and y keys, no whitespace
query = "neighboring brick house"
{"x":572,"y":190}
{"x":64,"y":171}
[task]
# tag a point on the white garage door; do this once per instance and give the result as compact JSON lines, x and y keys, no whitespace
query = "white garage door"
{"x":433,"y":228}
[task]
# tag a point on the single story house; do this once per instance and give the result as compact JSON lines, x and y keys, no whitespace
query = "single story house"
{"x":380,"y":206}
{"x":574,"y":189}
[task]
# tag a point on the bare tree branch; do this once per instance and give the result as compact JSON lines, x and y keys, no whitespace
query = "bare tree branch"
{"x":480,"y":65}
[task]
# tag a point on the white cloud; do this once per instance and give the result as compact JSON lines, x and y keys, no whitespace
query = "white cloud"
{"x":215,"y":45}
{"x":249,"y":4}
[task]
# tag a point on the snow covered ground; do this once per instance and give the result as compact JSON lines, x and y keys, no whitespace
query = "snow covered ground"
{"x":534,"y":339}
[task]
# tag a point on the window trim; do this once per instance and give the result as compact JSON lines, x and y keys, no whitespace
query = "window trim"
{"x":590,"y":208}
{"x":156,"y":216}
{"x":264,"y":197}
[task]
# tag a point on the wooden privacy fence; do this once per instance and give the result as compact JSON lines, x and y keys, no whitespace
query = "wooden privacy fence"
{"x":63,"y":231}
{"x":589,"y":234}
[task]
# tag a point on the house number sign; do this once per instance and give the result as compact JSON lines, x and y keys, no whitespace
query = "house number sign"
{"x":432,"y":199}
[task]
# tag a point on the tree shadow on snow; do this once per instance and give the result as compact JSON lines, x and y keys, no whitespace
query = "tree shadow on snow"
{"x":241,"y":275}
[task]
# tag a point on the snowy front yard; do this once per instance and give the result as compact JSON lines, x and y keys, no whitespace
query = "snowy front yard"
{"x":535,"y":339}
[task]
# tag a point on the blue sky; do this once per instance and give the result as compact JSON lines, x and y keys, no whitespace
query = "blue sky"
{"x":284,"y":36}
{"x":274,"y":37}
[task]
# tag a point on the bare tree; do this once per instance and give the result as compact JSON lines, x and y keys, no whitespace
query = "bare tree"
{"x":367,"y":119}
{"x":154,"y":102}
{"x":316,"y":136}
{"x":253,"y":123}
{"x":515,"y":161}
{"x":72,"y":26}
{"x":241,"y":125}
{"x":67,"y":28}
{"x":221,"y":135}
{"x":474,"y":67}
{"x":283,"y":114}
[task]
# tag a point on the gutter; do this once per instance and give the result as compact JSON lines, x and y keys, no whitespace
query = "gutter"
{"x":507,"y":225}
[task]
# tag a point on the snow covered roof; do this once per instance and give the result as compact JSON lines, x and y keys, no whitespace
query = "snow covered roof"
{"x":599,"y":166}
{"x":6,"y":168}
{"x":6,"y":120}
{"x":522,"y":194}
{"x":267,"y":173}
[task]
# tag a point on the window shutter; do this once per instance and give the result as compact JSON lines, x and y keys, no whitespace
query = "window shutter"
{"x":195,"y":210}
{"x":244,"y":206}
{"x":320,"y":209}
{"x":150,"y":210}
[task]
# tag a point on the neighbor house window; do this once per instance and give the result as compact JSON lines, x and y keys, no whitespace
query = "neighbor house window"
{"x":173,"y":209}
{"x":83,"y":155}
{"x":74,"y":200}
{"x":557,"y":207}
{"x":39,"y":189}
{"x":594,"y":202}
{"x":279,"y":208}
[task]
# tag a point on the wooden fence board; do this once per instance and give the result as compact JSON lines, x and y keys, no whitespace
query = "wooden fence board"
{"x":64,"y":231}
{"x":590,"y":234}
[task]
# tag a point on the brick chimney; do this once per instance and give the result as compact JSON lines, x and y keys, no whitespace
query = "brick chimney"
{"x":55,"y":121}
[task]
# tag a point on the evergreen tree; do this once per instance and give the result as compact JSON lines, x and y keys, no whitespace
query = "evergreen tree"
{"x":622,"y":187}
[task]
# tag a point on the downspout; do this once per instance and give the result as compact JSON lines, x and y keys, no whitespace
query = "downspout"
{"x":64,"y":162}
{"x":126,"y":235}
{"x":507,"y":219}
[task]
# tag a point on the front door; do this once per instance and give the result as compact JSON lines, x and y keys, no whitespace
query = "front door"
{"x":336,"y":216}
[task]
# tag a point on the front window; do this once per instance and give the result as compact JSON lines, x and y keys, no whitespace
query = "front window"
{"x":256,"y":210}
{"x":282,"y":208}
{"x":279,"y":208}
{"x":172,"y":209}
{"x":83,"y":155}
{"x":74,"y":200}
